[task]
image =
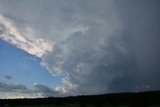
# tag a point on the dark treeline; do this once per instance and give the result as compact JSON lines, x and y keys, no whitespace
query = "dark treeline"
{"x":135,"y":99}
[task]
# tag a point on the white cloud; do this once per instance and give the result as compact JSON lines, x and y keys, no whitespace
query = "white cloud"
{"x":23,"y":39}
{"x":66,"y":87}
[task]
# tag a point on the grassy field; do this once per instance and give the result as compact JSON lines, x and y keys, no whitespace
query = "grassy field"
{"x":64,"y":106}
{"x":142,"y":99}
{"x":71,"y":105}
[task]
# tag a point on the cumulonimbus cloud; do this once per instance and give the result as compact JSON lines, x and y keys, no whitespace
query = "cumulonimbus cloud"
{"x":97,"y":44}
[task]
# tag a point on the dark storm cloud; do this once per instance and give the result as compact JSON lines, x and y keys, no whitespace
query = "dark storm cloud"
{"x":141,"y":30}
{"x":94,"y":66}
{"x":102,"y":46}
{"x":126,"y":60}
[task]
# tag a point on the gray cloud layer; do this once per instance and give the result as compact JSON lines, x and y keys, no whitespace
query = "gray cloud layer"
{"x":13,"y":88}
{"x":102,"y":46}
{"x":8,"y":77}
{"x":16,"y":90}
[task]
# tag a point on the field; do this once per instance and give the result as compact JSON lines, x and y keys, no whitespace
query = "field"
{"x":143,"y":99}
{"x":52,"y":105}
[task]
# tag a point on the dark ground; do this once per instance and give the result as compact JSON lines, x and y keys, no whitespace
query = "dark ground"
{"x":142,"y":99}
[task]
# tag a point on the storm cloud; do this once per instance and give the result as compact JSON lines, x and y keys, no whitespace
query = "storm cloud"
{"x":101,"y":46}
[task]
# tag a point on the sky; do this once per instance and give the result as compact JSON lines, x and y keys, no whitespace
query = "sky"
{"x":78,"y":47}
